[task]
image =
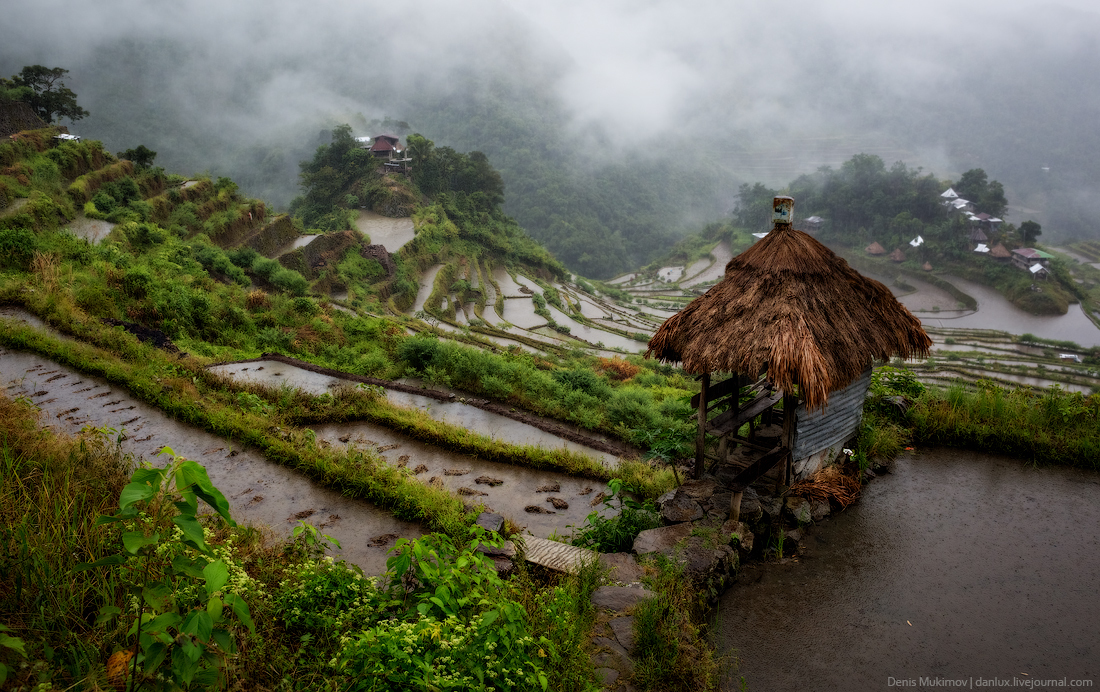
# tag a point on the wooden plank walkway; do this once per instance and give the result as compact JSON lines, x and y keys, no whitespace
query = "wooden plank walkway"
{"x":557,"y":556}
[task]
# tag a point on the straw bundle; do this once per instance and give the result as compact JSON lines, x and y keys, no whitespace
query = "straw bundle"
{"x":788,"y":306}
{"x":828,"y":484}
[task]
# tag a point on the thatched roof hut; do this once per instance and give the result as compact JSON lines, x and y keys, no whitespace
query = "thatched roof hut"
{"x":1000,"y":252}
{"x":875,"y":249}
{"x":927,"y":266}
{"x":790,"y":307}
{"x":897,"y":256}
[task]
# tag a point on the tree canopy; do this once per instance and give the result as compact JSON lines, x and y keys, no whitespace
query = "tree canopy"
{"x":43,"y":89}
{"x":987,"y":195}
{"x":142,"y":156}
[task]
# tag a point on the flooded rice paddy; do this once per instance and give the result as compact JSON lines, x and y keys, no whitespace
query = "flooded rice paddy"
{"x":388,"y":232}
{"x":955,"y":565}
{"x":275,"y":373}
{"x":259,"y":491}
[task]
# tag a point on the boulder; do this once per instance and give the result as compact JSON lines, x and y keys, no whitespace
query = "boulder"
{"x":619,"y":598}
{"x":712,"y":568}
{"x":798,"y":508}
{"x":744,"y":536}
{"x":490,"y":522}
{"x":772,"y":507}
{"x":667,"y":497}
{"x":697,"y":490}
{"x":621,"y":567}
{"x":623,"y":628}
{"x":751,"y":511}
{"x":819,"y":509}
{"x":661,"y":540}
{"x":680,"y":509}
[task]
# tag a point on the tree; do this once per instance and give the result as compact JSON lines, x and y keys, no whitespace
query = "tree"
{"x":1030,"y":232}
{"x":49,"y":96}
{"x":142,"y":156}
{"x":987,"y":195}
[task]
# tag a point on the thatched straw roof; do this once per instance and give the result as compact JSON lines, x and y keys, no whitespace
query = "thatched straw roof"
{"x":897,"y":256}
{"x":927,"y":266}
{"x":789,"y":306}
{"x":875,"y":249}
{"x":1000,"y":252}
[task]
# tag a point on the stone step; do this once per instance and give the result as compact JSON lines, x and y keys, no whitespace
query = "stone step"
{"x":557,"y":556}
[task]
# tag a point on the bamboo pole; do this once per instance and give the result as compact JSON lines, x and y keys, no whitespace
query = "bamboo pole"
{"x":700,"y":439}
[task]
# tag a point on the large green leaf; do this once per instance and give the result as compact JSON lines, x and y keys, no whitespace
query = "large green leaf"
{"x":192,"y":476}
{"x":240,"y":609}
{"x":134,"y":493}
{"x":198,"y":623}
{"x":217,"y":574}
{"x":192,"y":568}
{"x":192,"y":531}
{"x":134,"y":541}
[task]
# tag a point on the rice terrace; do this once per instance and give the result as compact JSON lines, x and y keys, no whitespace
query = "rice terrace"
{"x":331,"y":411}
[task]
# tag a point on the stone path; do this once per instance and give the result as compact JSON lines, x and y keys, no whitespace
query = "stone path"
{"x":556,"y":556}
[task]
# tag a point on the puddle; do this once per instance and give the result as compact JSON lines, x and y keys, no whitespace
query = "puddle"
{"x":92,"y":230}
{"x":275,"y":373}
{"x":957,"y":564}
{"x":510,"y":498}
{"x":259,"y":492}
{"x":391,"y":233}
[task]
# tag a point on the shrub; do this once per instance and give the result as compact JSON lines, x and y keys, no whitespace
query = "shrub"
{"x":265,"y":267}
{"x":305,"y":306}
{"x":17,"y":247}
{"x":584,"y":380}
{"x":136,"y":283}
{"x":616,"y":533}
{"x":418,"y":352}
{"x":290,"y":281}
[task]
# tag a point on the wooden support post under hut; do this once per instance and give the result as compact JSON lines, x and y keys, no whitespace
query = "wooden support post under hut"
{"x":784,"y":345}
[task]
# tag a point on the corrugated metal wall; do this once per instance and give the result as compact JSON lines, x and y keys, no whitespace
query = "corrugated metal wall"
{"x":834,"y":423}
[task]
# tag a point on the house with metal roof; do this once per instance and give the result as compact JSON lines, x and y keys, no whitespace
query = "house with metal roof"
{"x":1027,"y":257}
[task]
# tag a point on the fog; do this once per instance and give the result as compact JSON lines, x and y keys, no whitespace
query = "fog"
{"x":747,"y":91}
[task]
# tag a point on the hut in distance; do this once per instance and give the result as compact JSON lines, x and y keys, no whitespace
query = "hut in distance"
{"x":875,"y":249}
{"x":790,"y":322}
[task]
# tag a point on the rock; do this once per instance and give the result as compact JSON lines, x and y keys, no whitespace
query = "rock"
{"x":600,"y":497}
{"x":868,"y":474}
{"x":881,"y":469}
{"x":587,"y":490}
{"x":772,"y":507}
{"x":551,"y":488}
{"x":503,"y":566}
{"x":792,"y":539}
{"x":697,"y":490}
{"x":535,"y":509}
{"x":751,"y":510}
{"x":619,"y":598}
{"x":661,"y":540}
{"x":558,"y":502}
{"x":470,"y":492}
{"x":681,"y":509}
{"x":455,"y":472}
{"x":819,"y":509}
{"x":720,"y":502}
{"x":420,"y":468}
{"x":621,"y":567}
{"x":486,"y":480}
{"x":744,"y":535}
{"x":667,"y":497}
{"x":623,"y":628}
{"x":799,"y":510}
{"x":490,"y":522}
{"x":507,"y":549}
{"x":614,"y":656}
{"x":435,"y":482}
{"x":711,"y":568}
{"x":607,"y":675}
